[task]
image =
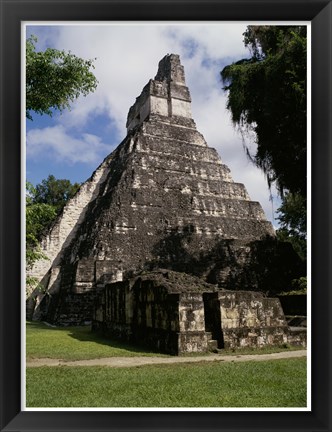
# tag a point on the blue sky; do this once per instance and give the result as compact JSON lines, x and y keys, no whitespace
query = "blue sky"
{"x":72,"y":144}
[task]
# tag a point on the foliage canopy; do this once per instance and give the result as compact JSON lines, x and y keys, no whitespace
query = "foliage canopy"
{"x":267,"y":95}
{"x":54,"y":192}
{"x":293,"y":222}
{"x":54,"y":79}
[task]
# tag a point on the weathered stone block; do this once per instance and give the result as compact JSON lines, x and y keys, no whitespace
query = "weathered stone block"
{"x":179,"y":92}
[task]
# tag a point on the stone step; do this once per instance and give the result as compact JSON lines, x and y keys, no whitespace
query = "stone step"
{"x":213,"y":345}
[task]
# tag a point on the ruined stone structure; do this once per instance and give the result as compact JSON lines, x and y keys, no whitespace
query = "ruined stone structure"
{"x":176,"y":313}
{"x":162,"y":199}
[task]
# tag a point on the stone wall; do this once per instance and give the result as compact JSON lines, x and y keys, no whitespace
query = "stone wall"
{"x":144,"y":312}
{"x":245,"y":319}
{"x":176,"y":313}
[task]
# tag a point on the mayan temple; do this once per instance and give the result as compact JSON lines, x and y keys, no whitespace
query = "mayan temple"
{"x":161,"y":239}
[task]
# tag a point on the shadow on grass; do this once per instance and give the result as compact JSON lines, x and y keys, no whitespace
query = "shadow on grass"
{"x":85,"y":334}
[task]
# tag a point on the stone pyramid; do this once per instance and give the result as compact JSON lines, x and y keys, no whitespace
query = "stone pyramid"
{"x":162,"y":199}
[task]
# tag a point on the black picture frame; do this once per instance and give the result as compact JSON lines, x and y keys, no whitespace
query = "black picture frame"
{"x":13,"y":12}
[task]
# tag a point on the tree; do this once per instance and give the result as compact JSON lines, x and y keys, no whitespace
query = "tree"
{"x":54,"y":79}
{"x":267,"y":95}
{"x":293,"y":216}
{"x":55,"y":192}
{"x":293,"y":222}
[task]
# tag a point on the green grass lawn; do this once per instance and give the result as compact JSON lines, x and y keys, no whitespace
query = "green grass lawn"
{"x":277,"y":383}
{"x":75,"y":343}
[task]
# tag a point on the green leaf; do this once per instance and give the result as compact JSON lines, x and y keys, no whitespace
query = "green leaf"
{"x":54,"y":79}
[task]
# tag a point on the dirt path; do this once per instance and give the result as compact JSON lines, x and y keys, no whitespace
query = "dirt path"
{"x":117,"y":362}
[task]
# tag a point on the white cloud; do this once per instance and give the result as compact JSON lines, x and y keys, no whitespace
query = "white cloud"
{"x":215,"y":40}
{"x":56,"y":143}
{"x":127,"y":57}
